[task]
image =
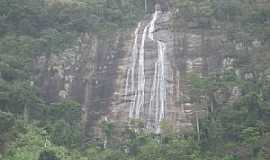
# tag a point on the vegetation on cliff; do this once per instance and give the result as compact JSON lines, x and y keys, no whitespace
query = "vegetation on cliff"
{"x":33,"y":129}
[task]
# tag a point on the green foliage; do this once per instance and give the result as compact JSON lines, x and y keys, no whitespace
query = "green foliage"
{"x":107,"y":128}
{"x":32,"y":28}
{"x":231,"y":131}
{"x":62,"y":122}
{"x":16,"y":96}
{"x":47,"y":155}
{"x":33,"y":143}
{"x":29,"y":142}
{"x":173,"y":149}
{"x":68,"y":111}
{"x":6,"y":122}
{"x":235,"y":126}
{"x":250,"y":134}
{"x":15,"y":57}
{"x":229,"y":158}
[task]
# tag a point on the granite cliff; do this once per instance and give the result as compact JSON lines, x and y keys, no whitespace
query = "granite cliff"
{"x":140,"y":73}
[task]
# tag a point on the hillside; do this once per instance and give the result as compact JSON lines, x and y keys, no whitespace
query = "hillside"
{"x":134,"y":79}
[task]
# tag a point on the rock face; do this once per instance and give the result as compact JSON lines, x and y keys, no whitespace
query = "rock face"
{"x":148,"y":77}
{"x":135,"y":75}
{"x":86,"y":73}
{"x":152,"y":86}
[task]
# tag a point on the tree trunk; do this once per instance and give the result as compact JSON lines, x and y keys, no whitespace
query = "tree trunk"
{"x":198,"y":127}
{"x":84,"y":113}
{"x":25,"y":114}
{"x":145,"y":6}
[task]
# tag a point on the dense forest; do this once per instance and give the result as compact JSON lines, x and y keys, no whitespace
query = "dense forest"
{"x":33,"y":129}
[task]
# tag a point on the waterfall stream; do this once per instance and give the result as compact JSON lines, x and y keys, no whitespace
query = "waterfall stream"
{"x":141,"y":77}
{"x":131,"y":71}
{"x":157,"y":103}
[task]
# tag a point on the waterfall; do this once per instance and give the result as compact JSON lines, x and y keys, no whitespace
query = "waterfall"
{"x":131,"y":72}
{"x":152,"y":26}
{"x":158,"y":89}
{"x":162,"y":82}
{"x":157,"y":104}
{"x":127,"y":84}
{"x":141,"y":76}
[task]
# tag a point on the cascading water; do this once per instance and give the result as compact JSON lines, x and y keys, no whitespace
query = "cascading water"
{"x":141,"y":77}
{"x":162,"y":81}
{"x":158,"y":90}
{"x":152,"y":26}
{"x":131,"y":71}
{"x":157,"y":104}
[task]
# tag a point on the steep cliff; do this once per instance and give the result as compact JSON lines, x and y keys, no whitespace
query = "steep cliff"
{"x":86,"y":73}
{"x":137,"y":75}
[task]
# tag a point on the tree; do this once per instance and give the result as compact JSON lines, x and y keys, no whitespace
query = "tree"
{"x":48,"y":155}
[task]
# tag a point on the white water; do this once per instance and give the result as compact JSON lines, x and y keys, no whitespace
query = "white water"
{"x":158,"y":90}
{"x":156,"y":110}
{"x":152,"y":26}
{"x":127,"y":84}
{"x":131,"y":71}
{"x":141,"y":76}
{"x":162,"y":84}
